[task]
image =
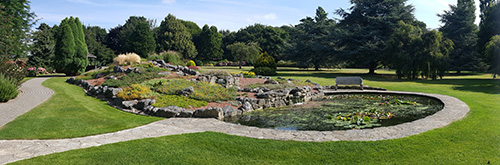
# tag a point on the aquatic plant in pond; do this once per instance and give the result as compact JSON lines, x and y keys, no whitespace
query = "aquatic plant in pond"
{"x":345,"y":111}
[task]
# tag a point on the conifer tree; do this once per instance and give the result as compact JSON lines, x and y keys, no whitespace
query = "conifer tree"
{"x":70,"y":51}
{"x":173,"y":35}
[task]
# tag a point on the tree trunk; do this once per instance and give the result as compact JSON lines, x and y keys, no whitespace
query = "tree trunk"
{"x":240,"y":64}
{"x":372,"y":68}
{"x":459,"y":71}
{"x":316,"y":68}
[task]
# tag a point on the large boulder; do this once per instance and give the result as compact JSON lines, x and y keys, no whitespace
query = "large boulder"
{"x":230,"y":112}
{"x":170,"y":111}
{"x":186,"y":92}
{"x":128,"y":104}
{"x":212,"y":112}
{"x":186,"y":113}
{"x":143,"y":103}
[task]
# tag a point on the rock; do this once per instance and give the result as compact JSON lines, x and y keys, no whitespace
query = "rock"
{"x":229,"y":111}
{"x":118,"y":69}
{"x":170,"y":111}
{"x":180,"y":73}
{"x":187,"y":91}
{"x":142,"y":104}
{"x":129,"y":104}
{"x":291,"y":79}
{"x":71,"y":80}
{"x":186,"y":113}
{"x":269,"y":81}
{"x":112,"y":77}
{"x":111,"y":92}
{"x":118,"y":102}
{"x":212,"y":112}
{"x":246,"y":107}
{"x":297,"y":94}
{"x":279,"y":78}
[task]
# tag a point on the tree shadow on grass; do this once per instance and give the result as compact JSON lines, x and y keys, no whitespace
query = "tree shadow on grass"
{"x":488,"y":86}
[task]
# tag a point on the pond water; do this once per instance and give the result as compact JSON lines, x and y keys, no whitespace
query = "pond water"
{"x":344,"y":111}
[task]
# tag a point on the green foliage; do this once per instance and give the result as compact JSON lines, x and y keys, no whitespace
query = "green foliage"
{"x":16,"y":20}
{"x":209,"y":44}
{"x":460,"y":28}
{"x":493,"y":53}
{"x":172,"y":57}
{"x":368,"y":28}
{"x":416,"y":53}
{"x":13,"y":72}
{"x":180,"y":101}
{"x":202,"y":90}
{"x":264,"y":71}
{"x":141,"y":40}
{"x":313,"y":41}
{"x":93,"y":74}
{"x":190,"y":63}
{"x":71,"y":51}
{"x":8,"y":88}
{"x":490,"y":21}
{"x":95,"y":38}
{"x":265,"y":65}
{"x":134,"y":92}
{"x":131,"y":78}
{"x":42,"y":49}
{"x":173,"y":35}
{"x":244,"y":52}
{"x":270,"y":39}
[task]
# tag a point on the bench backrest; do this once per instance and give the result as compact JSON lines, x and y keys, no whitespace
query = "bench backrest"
{"x":349,"y":80}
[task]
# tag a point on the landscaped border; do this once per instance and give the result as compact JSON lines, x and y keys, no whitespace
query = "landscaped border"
{"x":453,"y":110}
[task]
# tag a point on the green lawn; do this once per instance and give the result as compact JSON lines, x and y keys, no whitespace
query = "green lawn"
{"x":70,"y":113}
{"x":473,"y":140}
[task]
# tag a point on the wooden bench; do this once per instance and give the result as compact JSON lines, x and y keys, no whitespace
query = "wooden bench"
{"x":348,"y":81}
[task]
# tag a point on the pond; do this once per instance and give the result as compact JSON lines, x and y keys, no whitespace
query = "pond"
{"x":344,"y":111}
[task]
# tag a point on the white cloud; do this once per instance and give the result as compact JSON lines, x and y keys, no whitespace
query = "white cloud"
{"x":168,"y":1}
{"x":259,"y":18}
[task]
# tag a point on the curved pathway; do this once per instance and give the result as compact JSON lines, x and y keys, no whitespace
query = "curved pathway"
{"x":31,"y":94}
{"x":14,"y":150}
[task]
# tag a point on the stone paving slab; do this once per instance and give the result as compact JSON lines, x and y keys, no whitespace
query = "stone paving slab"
{"x":14,"y":150}
{"x":31,"y":94}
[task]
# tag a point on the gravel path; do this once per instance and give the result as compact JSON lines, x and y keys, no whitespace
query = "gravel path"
{"x":14,"y":150}
{"x":31,"y":94}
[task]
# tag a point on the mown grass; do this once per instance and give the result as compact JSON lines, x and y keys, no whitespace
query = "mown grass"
{"x":70,"y":113}
{"x":473,"y":140}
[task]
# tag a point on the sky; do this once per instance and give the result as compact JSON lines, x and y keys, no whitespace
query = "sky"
{"x":224,"y":14}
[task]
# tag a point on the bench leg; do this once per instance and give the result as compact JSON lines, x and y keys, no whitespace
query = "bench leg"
{"x":361,"y":86}
{"x":335,"y":87}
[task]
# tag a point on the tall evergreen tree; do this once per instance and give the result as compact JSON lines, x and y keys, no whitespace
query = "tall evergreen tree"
{"x":141,"y":40}
{"x":42,"y":49}
{"x":490,"y":21}
{"x":460,"y":28}
{"x":16,"y":21}
{"x":113,"y":39}
{"x":173,"y":35}
{"x":95,"y":38}
{"x":70,"y":51}
{"x":369,"y":25}
{"x":314,"y":41}
{"x":210,"y":44}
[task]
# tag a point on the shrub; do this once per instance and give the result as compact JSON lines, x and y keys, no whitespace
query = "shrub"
{"x":265,"y":71}
{"x":282,"y":63}
{"x":133,"y":92}
{"x":265,"y":65}
{"x":265,"y":60}
{"x":198,"y":62}
{"x":8,"y":88}
{"x":131,"y":78}
{"x":202,"y":90}
{"x":180,"y":101}
{"x":129,"y":58}
{"x":13,"y":71}
{"x":172,"y":57}
{"x":155,"y":57}
{"x":190,"y":63}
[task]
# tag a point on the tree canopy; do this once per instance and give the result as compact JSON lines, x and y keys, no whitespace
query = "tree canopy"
{"x":16,"y":19}
{"x":42,"y":49}
{"x":247,"y":52}
{"x":459,"y":26}
{"x":70,"y":50}
{"x":209,"y":44}
{"x":369,"y":25}
{"x":173,"y":35}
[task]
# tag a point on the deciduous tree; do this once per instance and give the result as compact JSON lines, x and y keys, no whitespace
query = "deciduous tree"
{"x":247,"y":52}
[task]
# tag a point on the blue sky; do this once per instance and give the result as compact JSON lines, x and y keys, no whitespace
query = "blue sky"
{"x":225,"y":14}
